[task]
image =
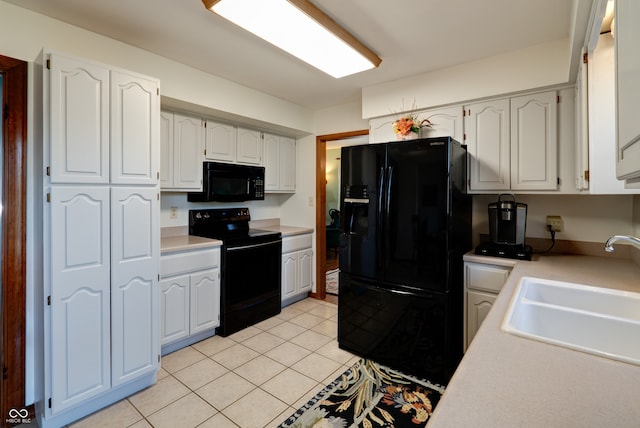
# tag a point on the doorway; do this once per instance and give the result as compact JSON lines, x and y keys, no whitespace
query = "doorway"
{"x":321,"y":207}
{"x":13,"y":149}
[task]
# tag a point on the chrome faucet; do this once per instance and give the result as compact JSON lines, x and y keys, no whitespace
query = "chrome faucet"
{"x":608,"y":246}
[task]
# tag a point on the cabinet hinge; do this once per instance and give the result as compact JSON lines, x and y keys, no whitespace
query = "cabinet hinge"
{"x":158,"y":175}
{"x":585,"y":58}
{"x":558,"y":181}
{"x":558,"y":99}
{"x":158,"y":357}
{"x":158,"y":89}
{"x":5,"y":108}
{"x":49,"y":300}
{"x":49,"y":68}
{"x":49,"y":402}
{"x":5,"y":371}
{"x":158,"y":277}
{"x":586,"y":175}
{"x":158,"y":195}
{"x":49,"y":171}
{"x":205,"y":152}
{"x":48,"y":197}
{"x":464,"y":137}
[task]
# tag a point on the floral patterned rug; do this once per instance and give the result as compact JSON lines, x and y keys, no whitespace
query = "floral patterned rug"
{"x":332,"y":281}
{"x":369,"y":395}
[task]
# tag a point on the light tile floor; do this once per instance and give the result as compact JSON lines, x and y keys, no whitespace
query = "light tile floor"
{"x":252,"y":379}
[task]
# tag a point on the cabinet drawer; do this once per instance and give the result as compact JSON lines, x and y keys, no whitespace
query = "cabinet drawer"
{"x":295,"y":243}
{"x":189,"y":261}
{"x":486,"y":277}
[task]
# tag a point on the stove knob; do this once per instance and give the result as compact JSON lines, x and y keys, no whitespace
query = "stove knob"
{"x":198,"y":215}
{"x":206,"y":215}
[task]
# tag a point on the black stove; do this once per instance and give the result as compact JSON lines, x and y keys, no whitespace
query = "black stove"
{"x":250,"y":289}
{"x":230,"y":225}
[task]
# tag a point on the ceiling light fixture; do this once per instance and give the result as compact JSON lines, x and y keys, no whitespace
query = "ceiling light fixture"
{"x":303,"y":30}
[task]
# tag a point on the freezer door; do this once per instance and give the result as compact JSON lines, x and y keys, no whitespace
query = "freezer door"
{"x":417,"y":215}
{"x":409,"y":332}
{"x":362,"y":173}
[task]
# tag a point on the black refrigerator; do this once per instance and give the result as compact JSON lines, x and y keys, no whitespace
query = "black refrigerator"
{"x":406,"y":223}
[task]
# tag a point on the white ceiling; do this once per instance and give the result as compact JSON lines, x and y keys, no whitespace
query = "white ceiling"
{"x":411,"y":37}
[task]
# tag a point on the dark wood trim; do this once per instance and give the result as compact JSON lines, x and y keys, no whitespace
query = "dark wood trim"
{"x":321,"y":202}
{"x":14,"y":194}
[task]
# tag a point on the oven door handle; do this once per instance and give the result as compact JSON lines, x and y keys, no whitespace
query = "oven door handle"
{"x":244,"y":247}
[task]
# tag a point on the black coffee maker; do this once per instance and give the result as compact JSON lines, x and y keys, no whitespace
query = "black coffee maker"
{"x":507,"y":226}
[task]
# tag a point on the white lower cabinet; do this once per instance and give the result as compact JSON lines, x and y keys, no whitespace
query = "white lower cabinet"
{"x":482,"y":283}
{"x":189,"y":297}
{"x":297,"y":263}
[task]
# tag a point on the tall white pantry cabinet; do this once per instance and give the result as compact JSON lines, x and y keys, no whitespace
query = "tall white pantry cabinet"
{"x":101,"y":243}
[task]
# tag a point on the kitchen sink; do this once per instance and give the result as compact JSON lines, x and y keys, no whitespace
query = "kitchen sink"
{"x":590,"y":319}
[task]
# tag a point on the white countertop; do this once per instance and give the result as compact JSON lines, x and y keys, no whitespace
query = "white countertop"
{"x":169,"y":244}
{"x":178,"y":238}
{"x":509,"y":381}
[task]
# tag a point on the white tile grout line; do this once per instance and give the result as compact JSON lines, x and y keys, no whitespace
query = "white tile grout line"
{"x":311,"y":304}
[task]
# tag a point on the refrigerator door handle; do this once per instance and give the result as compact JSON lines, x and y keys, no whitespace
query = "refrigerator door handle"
{"x":379,"y":218}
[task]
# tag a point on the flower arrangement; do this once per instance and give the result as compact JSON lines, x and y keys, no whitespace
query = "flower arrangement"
{"x":408,"y":124}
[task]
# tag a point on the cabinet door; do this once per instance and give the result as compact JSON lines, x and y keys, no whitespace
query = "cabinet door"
{"x":174,"y":309}
{"x":287,"y":164}
{"x":79,"y":127}
{"x":305,"y":281}
{"x":271,"y":162}
{"x":289,"y":274}
{"x":487,"y":130}
{"x":135,"y":129}
{"x":166,"y":150}
{"x":80,"y":295}
{"x":205,"y":301}
{"x":627,"y":89}
{"x":220,"y":140}
{"x":381,"y":130}
{"x":534,"y":142}
{"x":135,"y":255}
{"x":188,"y":143}
{"x":478,"y":306}
{"x":249,"y":146}
{"x":444,"y":123}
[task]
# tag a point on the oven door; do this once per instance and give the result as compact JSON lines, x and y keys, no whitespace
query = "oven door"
{"x":251,"y":290}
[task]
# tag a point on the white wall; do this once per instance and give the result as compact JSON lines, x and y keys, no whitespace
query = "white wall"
{"x":590,"y":218}
{"x":24,"y":33}
{"x":531,"y":68}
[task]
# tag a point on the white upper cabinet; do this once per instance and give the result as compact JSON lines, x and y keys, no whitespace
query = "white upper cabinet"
{"x":181,"y":146}
{"x":249,"y":149}
{"x":446,"y":122}
{"x":79,"y":121}
{"x":135,"y":115}
{"x":488,"y":144}
{"x":221,"y":140}
{"x":534,"y":142}
{"x":279,"y":163}
{"x":627,"y":40}
{"x":513,"y":143}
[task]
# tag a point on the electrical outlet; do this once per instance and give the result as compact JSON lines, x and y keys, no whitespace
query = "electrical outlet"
{"x":556,"y":223}
{"x":173,"y":214}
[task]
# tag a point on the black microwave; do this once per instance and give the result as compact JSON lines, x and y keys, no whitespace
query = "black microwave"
{"x":226,"y":182}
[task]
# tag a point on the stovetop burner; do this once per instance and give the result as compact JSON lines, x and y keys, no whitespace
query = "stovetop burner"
{"x":230,"y":225}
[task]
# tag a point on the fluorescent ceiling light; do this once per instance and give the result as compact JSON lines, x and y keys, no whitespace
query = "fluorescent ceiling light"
{"x":303,"y":30}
